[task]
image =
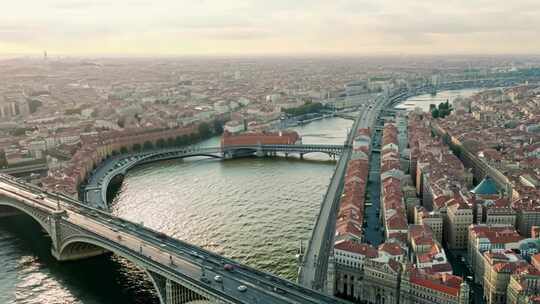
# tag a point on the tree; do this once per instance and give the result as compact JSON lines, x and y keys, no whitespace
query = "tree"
{"x":148,"y":145}
{"x":193,"y":137}
{"x":170,"y":142}
{"x":186,"y":139}
{"x":72,"y":111}
{"x":161,"y":143}
{"x":444,"y":109}
{"x":19,"y":132}
{"x":204,"y":130}
{"x":3,"y":160}
{"x":179,"y":141}
{"x":123,"y":150}
{"x":218,"y":127}
{"x":435,"y":113}
{"x":308,"y":107}
{"x":137,"y":147}
{"x":34,"y":104}
{"x":121,"y":122}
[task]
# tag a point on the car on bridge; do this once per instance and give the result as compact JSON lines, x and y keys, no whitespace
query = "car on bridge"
{"x":242,"y":288}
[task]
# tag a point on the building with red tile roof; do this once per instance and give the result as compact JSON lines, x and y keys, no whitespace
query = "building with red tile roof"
{"x":418,"y":285}
{"x":499,"y":267}
{"x":484,"y":238}
{"x":261,"y":138}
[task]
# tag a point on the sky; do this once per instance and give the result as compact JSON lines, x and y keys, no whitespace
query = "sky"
{"x":269,"y":27}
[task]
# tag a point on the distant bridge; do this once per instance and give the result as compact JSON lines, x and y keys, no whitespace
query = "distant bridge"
{"x":25,"y":169}
{"x":95,"y":192}
{"x":272,"y":150}
{"x":180,"y":272}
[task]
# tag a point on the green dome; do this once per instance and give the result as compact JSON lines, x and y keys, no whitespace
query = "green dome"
{"x":486,"y":187}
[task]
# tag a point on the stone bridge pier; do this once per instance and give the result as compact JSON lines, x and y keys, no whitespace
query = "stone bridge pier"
{"x":170,"y":292}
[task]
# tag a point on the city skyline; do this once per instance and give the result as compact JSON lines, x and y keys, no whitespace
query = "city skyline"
{"x":173,"y":28}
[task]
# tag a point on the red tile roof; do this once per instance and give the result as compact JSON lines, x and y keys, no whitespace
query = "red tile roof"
{"x":281,"y":138}
{"x":362,"y":249}
{"x":392,"y":249}
{"x":446,"y":283}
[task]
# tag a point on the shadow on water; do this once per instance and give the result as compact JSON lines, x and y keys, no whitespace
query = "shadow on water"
{"x":101,"y":280}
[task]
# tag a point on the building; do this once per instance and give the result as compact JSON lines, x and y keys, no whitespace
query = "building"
{"x":264,"y":138}
{"x":234,"y":127}
{"x":459,"y":217}
{"x":380,"y":282}
{"x":433,"y":219}
{"x":527,"y":214}
{"x":349,"y":258}
{"x":483,"y":238}
{"x":499,"y":267}
{"x":524,"y":286}
{"x":486,"y":189}
{"x":421,"y":287}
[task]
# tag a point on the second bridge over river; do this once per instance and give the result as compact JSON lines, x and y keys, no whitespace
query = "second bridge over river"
{"x":95,"y":191}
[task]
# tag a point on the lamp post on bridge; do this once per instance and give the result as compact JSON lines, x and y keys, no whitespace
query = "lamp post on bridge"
{"x":58,"y":207}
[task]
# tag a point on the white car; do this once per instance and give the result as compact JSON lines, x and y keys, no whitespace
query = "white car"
{"x":242,"y":288}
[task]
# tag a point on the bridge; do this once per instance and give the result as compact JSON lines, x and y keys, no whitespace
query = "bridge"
{"x":95,"y":191}
{"x":26,"y":169}
{"x":272,"y":150}
{"x":180,"y":272}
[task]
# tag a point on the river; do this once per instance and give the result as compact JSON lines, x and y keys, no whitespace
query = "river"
{"x":423,"y":101}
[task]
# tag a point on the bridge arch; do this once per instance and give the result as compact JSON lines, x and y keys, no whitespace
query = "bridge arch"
{"x":71,"y":249}
{"x":156,"y":158}
{"x":330,"y":154}
{"x":122,"y":171}
{"x":42,"y":218}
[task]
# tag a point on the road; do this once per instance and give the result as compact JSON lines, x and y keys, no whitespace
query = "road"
{"x":315,"y":262}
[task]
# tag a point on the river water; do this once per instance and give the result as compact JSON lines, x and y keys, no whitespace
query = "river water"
{"x":253,"y":210}
{"x":423,"y":101}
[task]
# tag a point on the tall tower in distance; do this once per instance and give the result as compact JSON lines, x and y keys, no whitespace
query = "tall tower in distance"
{"x":44,"y":55}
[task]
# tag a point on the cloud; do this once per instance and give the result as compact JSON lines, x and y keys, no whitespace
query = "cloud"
{"x":317,"y":25}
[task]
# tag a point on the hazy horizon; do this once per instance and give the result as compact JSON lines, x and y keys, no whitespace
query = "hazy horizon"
{"x":141,"y":28}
